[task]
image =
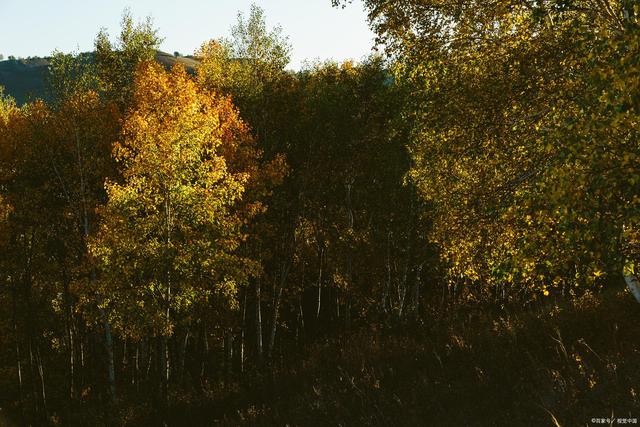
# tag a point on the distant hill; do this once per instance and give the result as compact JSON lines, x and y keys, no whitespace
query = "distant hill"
{"x":25,"y":79}
{"x":169,"y":60}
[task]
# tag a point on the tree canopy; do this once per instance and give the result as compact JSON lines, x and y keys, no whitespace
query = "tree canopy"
{"x":179,"y":239}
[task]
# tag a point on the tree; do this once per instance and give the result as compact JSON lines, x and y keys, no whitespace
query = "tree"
{"x":31,"y":237}
{"x":249,"y":67}
{"x":71,"y":74}
{"x":519,"y":189}
{"x":117,"y":62}
{"x":171,"y":228}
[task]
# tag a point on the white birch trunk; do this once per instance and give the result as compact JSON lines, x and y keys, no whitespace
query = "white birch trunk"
{"x":633,"y":285}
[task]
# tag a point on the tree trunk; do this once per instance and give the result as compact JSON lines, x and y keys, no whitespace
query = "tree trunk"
{"x":43,"y":391}
{"x":163,"y":370}
{"x":135,"y":377}
{"x":149,"y":358}
{"x":243,"y":330}
{"x":319,"y":297}
{"x":416,"y":291}
{"x":29,"y":316}
{"x":259,"y":323}
{"x":32,"y":376}
{"x":320,"y":244}
{"x":633,"y":285}
{"x":300,"y":319}
{"x":111,"y":370}
{"x":387,"y":282}
{"x":276,"y":304}
{"x":228,"y":356}
{"x":69,"y":332}
{"x":183,"y":354}
{"x":350,"y":224}
{"x":82,"y":364}
{"x":274,"y":321}
{"x":108,"y":341}
{"x":347,"y":313}
{"x":16,"y":337}
{"x":204,"y":354}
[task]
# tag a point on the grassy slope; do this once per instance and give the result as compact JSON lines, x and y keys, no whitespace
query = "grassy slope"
{"x":25,"y":79}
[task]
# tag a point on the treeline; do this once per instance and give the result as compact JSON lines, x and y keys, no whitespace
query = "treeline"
{"x":169,"y":232}
{"x":166,"y":231}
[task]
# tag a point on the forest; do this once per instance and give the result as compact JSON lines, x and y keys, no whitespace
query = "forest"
{"x":444,"y":233}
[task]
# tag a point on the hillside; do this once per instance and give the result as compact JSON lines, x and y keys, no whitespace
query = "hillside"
{"x":25,"y":79}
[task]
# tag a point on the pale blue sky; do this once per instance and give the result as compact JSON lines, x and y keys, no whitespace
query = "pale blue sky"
{"x":315,"y":29}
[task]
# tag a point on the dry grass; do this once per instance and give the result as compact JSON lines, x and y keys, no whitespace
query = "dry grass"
{"x":562,"y":365}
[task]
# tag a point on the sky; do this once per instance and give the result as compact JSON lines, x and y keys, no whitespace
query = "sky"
{"x":316,"y":30}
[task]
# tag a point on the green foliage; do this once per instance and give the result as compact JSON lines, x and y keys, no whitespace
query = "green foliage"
{"x":70,"y":74}
{"x":252,"y":41}
{"x":521,"y":140}
{"x":249,"y":66}
{"x":117,"y":61}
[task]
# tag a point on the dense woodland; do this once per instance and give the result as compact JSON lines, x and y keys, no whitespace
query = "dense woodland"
{"x":445,"y":233}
